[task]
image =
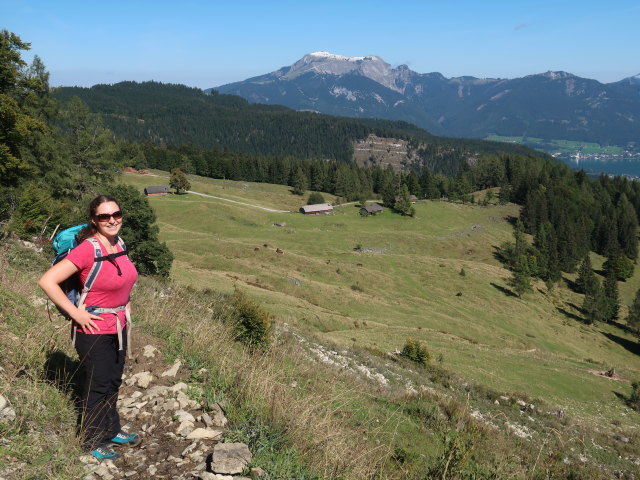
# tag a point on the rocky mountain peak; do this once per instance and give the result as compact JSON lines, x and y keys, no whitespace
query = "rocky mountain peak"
{"x":326,"y":63}
{"x":556,"y":75}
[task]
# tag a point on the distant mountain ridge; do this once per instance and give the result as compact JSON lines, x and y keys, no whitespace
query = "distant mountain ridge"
{"x":551,"y":105}
{"x":167,"y":114}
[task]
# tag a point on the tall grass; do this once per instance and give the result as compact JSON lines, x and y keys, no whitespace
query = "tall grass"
{"x":278,"y":386}
{"x":41,"y":442}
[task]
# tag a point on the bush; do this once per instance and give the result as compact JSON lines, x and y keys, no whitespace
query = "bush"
{"x":252,"y":323}
{"x":416,"y":352}
{"x":315,"y":198}
{"x":152,"y":258}
{"x":634,"y":398}
{"x":621,"y":265}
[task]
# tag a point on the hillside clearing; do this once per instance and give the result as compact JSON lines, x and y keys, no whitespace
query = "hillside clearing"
{"x":372,"y":282}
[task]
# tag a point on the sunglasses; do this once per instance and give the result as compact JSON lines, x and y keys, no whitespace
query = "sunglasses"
{"x":104,"y":217}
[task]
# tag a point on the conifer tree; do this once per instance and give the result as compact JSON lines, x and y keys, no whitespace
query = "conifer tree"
{"x":90,"y":149}
{"x":403,"y":202}
{"x":521,"y":244}
{"x":612,"y":295}
{"x":17,"y":122}
{"x":586,"y":277}
{"x":300,"y":182}
{"x":520,"y":280}
{"x":627,"y":227}
{"x":389,"y":194}
{"x":547,"y":248}
{"x":633,"y":318}
{"x":595,"y":303}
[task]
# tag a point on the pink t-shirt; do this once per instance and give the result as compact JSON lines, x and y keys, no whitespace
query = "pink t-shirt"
{"x":109,"y":290}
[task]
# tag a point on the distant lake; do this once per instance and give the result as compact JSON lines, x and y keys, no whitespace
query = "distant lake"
{"x":627,"y":166}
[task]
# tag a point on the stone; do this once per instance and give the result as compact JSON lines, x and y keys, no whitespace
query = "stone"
{"x":103,"y":472}
{"x":189,"y":449}
{"x":202,"y":433}
{"x":149,"y":351}
{"x":173,"y":371}
{"x":170,"y":405}
{"x":8,"y":414}
{"x":126,"y":402}
{"x":257,"y":472}
{"x":230,"y":458}
{"x":219,"y":419}
{"x":156,"y":391}
{"x":183,"y":400}
{"x":152,"y":470}
{"x":185,"y":428}
{"x":3,"y":402}
{"x":179,"y":386}
{"x":142,"y":379}
{"x":88,"y":460}
{"x":213,"y":476}
{"x":206,"y":419}
{"x":185,"y":416}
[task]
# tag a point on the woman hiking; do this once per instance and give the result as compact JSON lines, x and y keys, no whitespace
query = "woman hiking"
{"x":99,"y":322}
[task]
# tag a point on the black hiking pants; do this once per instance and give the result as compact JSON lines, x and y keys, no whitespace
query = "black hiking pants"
{"x":101,"y":368}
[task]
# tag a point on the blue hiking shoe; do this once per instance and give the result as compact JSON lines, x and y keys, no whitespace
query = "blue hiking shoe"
{"x":104,"y":452}
{"x":124,"y":438}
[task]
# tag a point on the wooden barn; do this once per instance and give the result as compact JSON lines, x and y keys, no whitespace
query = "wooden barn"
{"x":319,"y":209}
{"x":155,"y":190}
{"x":374,"y":209}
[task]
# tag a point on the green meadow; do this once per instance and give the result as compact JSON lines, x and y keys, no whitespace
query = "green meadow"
{"x":373,"y":282}
{"x":566,"y":147}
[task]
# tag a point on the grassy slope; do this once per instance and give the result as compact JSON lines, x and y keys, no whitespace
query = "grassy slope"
{"x":403,"y":283}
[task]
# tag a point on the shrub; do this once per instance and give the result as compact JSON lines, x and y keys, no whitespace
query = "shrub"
{"x":621,"y":265}
{"x":252,"y":323}
{"x":315,"y":198}
{"x":634,"y":398}
{"x":416,"y":352}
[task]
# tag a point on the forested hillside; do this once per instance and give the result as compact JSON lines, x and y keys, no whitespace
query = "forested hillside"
{"x":166,"y":114}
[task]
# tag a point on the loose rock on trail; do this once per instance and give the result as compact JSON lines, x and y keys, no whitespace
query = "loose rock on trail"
{"x":180,"y":438}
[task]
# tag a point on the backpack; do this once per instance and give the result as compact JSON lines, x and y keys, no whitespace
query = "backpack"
{"x":63,"y":243}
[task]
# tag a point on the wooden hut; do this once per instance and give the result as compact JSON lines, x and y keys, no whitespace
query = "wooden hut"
{"x":319,"y":209}
{"x":155,"y":190}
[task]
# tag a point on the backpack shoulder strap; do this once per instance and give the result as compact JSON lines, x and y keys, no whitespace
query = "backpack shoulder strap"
{"x":122,"y":244}
{"x":93,"y":272}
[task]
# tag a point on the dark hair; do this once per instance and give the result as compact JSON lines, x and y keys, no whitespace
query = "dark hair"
{"x":91,"y":229}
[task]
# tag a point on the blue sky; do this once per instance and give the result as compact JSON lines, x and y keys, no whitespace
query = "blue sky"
{"x":210,"y":43}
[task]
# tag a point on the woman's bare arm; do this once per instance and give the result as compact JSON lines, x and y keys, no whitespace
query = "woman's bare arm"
{"x":50,"y":284}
